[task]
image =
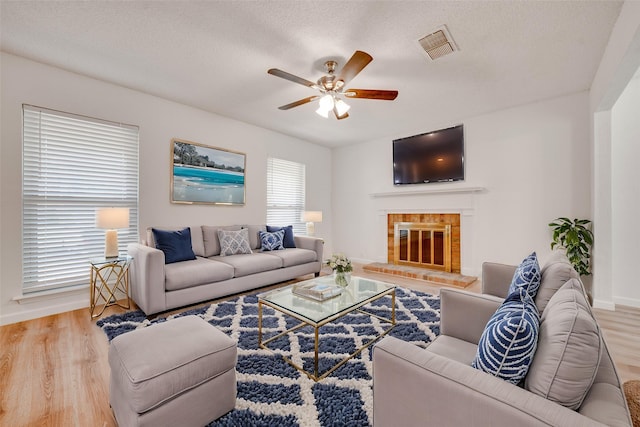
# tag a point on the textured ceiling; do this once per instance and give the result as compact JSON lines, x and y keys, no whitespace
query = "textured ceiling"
{"x":214,"y":55}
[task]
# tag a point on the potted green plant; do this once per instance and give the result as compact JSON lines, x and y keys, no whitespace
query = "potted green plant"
{"x":576,"y":238}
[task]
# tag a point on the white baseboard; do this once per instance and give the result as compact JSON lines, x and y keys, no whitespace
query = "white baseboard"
{"x":471,"y":272}
{"x":611,"y":305}
{"x":604,"y":305}
{"x":631,"y":302}
{"x":29,"y":314}
{"x":363,"y":261}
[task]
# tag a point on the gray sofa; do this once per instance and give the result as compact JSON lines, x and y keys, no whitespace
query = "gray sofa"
{"x":156,"y":286}
{"x":438,"y":386}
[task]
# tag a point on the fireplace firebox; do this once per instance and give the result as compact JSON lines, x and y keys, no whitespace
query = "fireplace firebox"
{"x":425,"y":240}
{"x":423,"y":244}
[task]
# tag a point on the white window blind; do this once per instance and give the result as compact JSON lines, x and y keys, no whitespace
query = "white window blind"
{"x":71,"y":166}
{"x":285,"y":194}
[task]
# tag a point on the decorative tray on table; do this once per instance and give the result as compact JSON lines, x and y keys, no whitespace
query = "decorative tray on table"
{"x":316,"y":291}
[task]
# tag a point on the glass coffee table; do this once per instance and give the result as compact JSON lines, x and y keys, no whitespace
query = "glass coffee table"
{"x":309,"y":312}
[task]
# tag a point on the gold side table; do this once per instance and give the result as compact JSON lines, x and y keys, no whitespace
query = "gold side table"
{"x":109,"y":275}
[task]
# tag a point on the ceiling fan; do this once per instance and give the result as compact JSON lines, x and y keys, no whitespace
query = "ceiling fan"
{"x":332,"y":87}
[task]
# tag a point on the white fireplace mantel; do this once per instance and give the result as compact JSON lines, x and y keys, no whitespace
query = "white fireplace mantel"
{"x":424,"y":192}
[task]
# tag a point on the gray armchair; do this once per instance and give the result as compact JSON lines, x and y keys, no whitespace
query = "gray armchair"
{"x":437,"y":386}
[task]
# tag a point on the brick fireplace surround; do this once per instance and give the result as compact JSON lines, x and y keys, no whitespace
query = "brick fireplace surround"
{"x":454,"y":278}
{"x":447,"y":218}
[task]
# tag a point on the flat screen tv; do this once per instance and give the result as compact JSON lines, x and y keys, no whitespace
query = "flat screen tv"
{"x":429,"y":157}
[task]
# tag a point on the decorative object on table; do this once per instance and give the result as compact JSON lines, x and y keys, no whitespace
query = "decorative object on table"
{"x":111,"y":219}
{"x":271,"y":392}
{"x":342,"y":268}
{"x":108,"y":277}
{"x":342,"y":279}
{"x":316,"y":291}
{"x":311,"y":217}
{"x":204,"y":174}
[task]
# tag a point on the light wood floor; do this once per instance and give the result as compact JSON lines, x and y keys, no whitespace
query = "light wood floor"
{"x":54,"y":370}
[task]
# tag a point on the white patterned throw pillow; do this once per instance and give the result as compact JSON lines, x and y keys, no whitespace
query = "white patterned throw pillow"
{"x":271,"y":241}
{"x":234,"y":242}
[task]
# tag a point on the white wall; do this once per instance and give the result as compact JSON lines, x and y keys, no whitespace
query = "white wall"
{"x":619,"y":62}
{"x":625,"y":197}
{"x":532,"y":160}
{"x":25,"y":81}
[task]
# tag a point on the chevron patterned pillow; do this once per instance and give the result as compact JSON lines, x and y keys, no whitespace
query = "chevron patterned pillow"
{"x":509,"y":340}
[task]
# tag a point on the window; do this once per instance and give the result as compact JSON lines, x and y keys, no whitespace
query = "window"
{"x":71,"y":166}
{"x":285,"y":194}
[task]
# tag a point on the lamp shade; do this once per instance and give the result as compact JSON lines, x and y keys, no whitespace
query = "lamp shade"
{"x":323,"y":113}
{"x":325,"y":105}
{"x":341,"y":107}
{"x":112,"y":218}
{"x":312,"y":216}
{"x":326,"y":102}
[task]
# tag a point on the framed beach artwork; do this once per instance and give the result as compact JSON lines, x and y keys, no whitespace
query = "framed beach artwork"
{"x":204,"y":174}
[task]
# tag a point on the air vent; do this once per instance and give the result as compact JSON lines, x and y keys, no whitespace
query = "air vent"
{"x":439,"y":43}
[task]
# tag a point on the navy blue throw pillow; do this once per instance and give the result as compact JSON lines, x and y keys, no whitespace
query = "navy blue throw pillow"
{"x":527,"y":276}
{"x":271,"y":241}
{"x":509,"y":341}
{"x":288,"y":241}
{"x":176,"y":245}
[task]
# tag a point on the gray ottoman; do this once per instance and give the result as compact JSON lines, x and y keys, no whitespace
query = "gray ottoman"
{"x":178,"y":373}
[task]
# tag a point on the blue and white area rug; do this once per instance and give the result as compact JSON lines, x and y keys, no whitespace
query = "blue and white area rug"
{"x":270,"y":391}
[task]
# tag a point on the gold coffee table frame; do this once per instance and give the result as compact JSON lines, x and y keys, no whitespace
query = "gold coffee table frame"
{"x":316,"y":324}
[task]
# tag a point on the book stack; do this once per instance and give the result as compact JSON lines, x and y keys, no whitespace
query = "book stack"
{"x":316,"y":291}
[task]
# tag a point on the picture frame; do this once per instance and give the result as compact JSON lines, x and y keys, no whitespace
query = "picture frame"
{"x":201,"y":174}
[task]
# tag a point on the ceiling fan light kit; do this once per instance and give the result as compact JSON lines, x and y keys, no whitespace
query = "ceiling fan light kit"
{"x":325,"y":105}
{"x":330,"y":102}
{"x":331,"y":87}
{"x":342,"y":107}
{"x":323,"y":113}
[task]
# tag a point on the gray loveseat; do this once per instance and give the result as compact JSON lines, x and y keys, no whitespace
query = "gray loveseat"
{"x":156,"y":286}
{"x":438,"y":386}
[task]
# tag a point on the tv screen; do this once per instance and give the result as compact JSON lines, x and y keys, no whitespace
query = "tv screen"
{"x":429,"y":157}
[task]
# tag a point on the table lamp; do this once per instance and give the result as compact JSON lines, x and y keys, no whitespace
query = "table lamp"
{"x":111,"y":219}
{"x":310,"y":217}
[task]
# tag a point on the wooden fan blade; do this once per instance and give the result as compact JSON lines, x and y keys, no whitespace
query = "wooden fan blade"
{"x":358,"y":61}
{"x":290,"y":77}
{"x":299,"y":102}
{"x":387,"y":95}
{"x":335,"y":112}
